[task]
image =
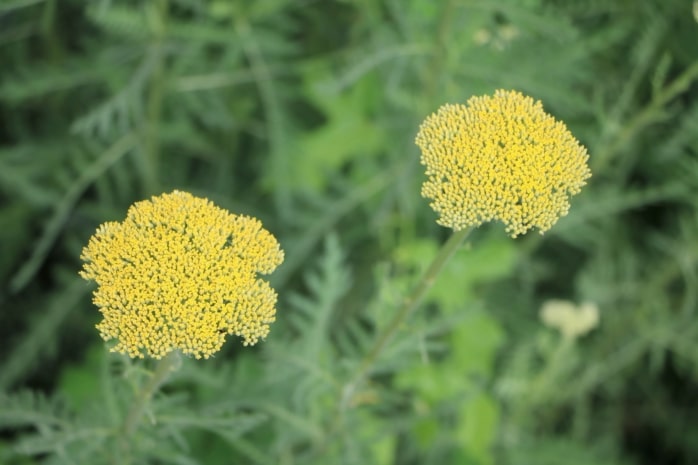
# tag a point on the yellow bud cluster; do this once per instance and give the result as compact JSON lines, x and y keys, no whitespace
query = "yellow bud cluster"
{"x":500,"y":158}
{"x":180,"y":273}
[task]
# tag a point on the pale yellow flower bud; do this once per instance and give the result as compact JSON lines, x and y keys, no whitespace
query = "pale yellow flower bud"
{"x":572,"y":321}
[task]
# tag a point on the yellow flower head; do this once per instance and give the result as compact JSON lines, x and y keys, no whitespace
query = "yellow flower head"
{"x":500,"y":158}
{"x":180,"y":273}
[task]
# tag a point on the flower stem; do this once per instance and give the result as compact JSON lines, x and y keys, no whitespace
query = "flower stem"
{"x":162,"y":371}
{"x":158,"y":16}
{"x":409,"y":305}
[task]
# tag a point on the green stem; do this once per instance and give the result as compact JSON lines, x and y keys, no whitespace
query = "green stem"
{"x":650,"y":114}
{"x":408,"y":306}
{"x":158,"y":21}
{"x":269,"y":95}
{"x":551,"y":371}
{"x":539,"y":390}
{"x":435,"y":71}
{"x":164,"y":368}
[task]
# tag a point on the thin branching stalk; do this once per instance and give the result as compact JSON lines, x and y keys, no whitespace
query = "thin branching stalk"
{"x":272,"y":109}
{"x":433,"y":80}
{"x":652,"y":113}
{"x":158,"y":22}
{"x":65,"y":207}
{"x":164,"y":368}
{"x":408,"y":307}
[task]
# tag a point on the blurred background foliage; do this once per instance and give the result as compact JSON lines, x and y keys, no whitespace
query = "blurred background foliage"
{"x":303,"y":113}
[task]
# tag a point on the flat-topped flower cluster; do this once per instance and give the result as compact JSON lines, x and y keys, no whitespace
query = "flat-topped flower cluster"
{"x":180,"y":273}
{"x":500,"y":158}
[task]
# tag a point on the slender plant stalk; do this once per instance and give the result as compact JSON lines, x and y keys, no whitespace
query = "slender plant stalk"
{"x":543,"y":381}
{"x":651,"y":113}
{"x":158,"y":22}
{"x":273,"y":113}
{"x":164,"y":368}
{"x":408,"y":307}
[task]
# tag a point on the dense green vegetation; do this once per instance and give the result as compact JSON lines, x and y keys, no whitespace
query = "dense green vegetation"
{"x":303,"y":114}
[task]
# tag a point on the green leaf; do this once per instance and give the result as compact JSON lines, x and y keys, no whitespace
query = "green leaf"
{"x":474,"y":345}
{"x":477,"y":427}
{"x":349,"y":133}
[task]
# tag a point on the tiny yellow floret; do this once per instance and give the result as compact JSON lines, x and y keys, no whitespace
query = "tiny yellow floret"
{"x":180,"y":273}
{"x":500,"y":158}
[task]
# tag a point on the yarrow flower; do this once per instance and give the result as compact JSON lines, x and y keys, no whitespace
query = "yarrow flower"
{"x":180,"y":273}
{"x":500,"y":158}
{"x":572,"y":321}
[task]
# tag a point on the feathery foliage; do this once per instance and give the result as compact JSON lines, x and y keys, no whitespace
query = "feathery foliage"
{"x":304,"y":114}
